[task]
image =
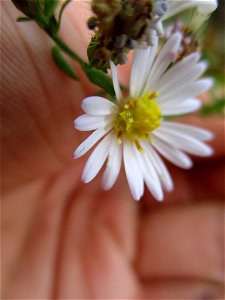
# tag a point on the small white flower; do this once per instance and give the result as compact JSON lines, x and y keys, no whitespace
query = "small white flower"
{"x":134,"y":130}
{"x":203,"y":6}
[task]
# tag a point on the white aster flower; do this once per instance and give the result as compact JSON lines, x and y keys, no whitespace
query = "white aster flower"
{"x":203,"y":6}
{"x":134,"y":131}
{"x":164,"y":9}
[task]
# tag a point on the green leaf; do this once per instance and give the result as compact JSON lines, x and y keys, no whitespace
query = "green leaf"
{"x":39,"y":5}
{"x":100,"y":79}
{"x":50,"y":6}
{"x":62,"y":63}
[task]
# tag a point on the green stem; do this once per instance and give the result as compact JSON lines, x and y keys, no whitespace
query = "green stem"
{"x":97,"y":77}
{"x":66,"y":49}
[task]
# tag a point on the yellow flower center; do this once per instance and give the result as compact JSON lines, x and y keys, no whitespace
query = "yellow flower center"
{"x":135,"y":119}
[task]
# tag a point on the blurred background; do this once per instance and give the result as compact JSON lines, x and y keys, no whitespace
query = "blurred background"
{"x":214,"y":53}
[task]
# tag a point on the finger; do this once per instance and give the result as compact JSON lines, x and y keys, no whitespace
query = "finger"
{"x":75,"y":237}
{"x":193,"y":186}
{"x":18,"y":210}
{"x":110,"y":274}
{"x":32,"y":250}
{"x":203,"y":182}
{"x":181,"y":289}
{"x":39,"y":103}
{"x":98,"y":245}
{"x":182,"y":241}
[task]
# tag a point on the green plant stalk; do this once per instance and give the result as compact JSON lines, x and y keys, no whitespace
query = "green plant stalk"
{"x":66,"y":49}
{"x":50,"y":25}
{"x":101,"y":80}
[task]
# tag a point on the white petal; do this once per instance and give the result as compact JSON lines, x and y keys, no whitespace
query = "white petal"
{"x":115,"y":79}
{"x":142,"y":62}
{"x":185,"y":107}
{"x":177,"y":69}
{"x":159,"y":166}
{"x":150,"y":176}
{"x":189,"y":90}
{"x":172,"y":154}
{"x":203,"y":6}
{"x":96,"y":159}
{"x":180,"y":78}
{"x":133,"y":172}
{"x":86,"y":122}
{"x":113,"y":165}
{"x":97,"y":106}
{"x":207,"y":6}
{"x":90,"y":141}
{"x":176,"y":6}
{"x":192,"y":131}
{"x":166,"y":55}
{"x":183,"y":142}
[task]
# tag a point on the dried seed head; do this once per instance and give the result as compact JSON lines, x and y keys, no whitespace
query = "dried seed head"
{"x":104,"y":8}
{"x":131,"y":44}
{"x":120,"y":41}
{"x":121,"y":25}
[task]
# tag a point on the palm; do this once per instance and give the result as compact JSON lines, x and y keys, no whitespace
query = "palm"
{"x":63,"y":239}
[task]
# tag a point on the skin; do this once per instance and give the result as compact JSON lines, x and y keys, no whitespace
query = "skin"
{"x":62,"y":239}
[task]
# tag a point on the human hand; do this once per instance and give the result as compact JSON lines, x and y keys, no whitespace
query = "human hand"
{"x":62,"y":239}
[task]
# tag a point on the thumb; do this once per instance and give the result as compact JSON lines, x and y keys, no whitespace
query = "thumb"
{"x":39,"y":103}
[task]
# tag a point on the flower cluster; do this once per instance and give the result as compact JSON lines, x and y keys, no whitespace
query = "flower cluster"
{"x":135,"y":130}
{"x":114,"y":35}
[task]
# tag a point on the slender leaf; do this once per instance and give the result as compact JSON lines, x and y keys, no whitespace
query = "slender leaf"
{"x":62,"y":63}
{"x":100,"y":79}
{"x":39,"y":6}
